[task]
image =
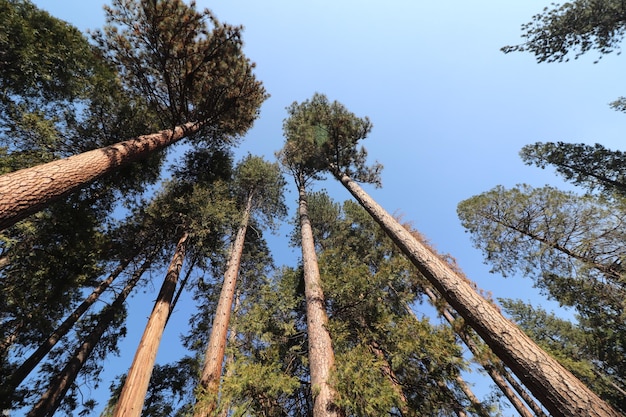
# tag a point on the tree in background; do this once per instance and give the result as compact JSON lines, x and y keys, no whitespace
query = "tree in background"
{"x":258,"y":187}
{"x":594,"y":168}
{"x":574,"y":27}
{"x":214,"y":94}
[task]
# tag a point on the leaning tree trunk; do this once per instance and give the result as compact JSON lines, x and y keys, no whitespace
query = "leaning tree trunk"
{"x":489,"y":367}
{"x":29,"y":190}
{"x":555,"y":387}
{"x":135,"y":387}
{"x":321,"y":355}
{"x":62,"y":382}
{"x":214,"y":357}
{"x":16,"y":378}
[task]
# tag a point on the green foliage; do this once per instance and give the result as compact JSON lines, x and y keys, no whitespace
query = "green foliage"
{"x":575,"y":27}
{"x":595,"y":168}
{"x":42,"y":58}
{"x":263,"y":183}
{"x":324,"y":136}
{"x":572,"y":247}
{"x":387,"y":358}
{"x":166,"y":52}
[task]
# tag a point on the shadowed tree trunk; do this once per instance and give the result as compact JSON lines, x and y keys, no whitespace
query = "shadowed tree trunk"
{"x":29,"y":190}
{"x":555,"y":387}
{"x":321,"y":354}
{"x":33,"y":360}
{"x":214,"y":356}
{"x":130,"y":402}
{"x":62,"y":382}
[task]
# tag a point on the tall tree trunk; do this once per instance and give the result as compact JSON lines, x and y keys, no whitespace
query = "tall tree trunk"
{"x":554,"y":386}
{"x":62,"y":382}
{"x":230,"y":359}
{"x":29,"y":190}
{"x":321,"y":354}
{"x":16,"y":378}
{"x":209,"y":383}
{"x":130,"y":402}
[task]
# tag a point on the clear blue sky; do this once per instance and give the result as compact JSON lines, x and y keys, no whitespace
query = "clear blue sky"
{"x":450,"y":111}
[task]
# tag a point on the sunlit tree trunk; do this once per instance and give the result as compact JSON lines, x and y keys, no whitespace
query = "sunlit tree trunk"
{"x":555,"y":387}
{"x":29,"y":190}
{"x":130,"y":402}
{"x":489,"y":367}
{"x":321,"y":354}
{"x":62,"y":382}
{"x":214,"y":356}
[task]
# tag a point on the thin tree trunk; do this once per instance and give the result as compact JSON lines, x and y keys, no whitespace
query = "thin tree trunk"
{"x":214,"y":357}
{"x":62,"y":382}
{"x":556,"y":388}
{"x":130,"y":402}
{"x":18,"y":376}
{"x":391,"y":376}
{"x":523,"y":393}
{"x":29,"y":190}
{"x":489,"y":367}
{"x":321,"y":355}
{"x":230,"y":359}
{"x":478,"y":406}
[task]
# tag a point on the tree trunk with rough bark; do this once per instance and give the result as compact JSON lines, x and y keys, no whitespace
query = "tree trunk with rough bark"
{"x":489,"y":367}
{"x":62,"y":382}
{"x":29,"y":190}
{"x":214,"y":357}
{"x":321,"y":354}
{"x":130,"y":402}
{"x":561,"y":393}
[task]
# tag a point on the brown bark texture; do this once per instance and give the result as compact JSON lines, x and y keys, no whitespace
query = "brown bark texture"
{"x":130,"y":402}
{"x":489,"y":367}
{"x":29,"y":190}
{"x":560,"y":392}
{"x":216,"y":348}
{"x":62,"y":382}
{"x":321,"y":354}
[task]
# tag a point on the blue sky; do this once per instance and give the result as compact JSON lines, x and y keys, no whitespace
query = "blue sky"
{"x":450,"y":111}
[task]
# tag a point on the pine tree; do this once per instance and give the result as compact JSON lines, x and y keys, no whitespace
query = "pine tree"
{"x":259,"y":185}
{"x":298,"y":156}
{"x":335,"y":148}
{"x":215,"y":95}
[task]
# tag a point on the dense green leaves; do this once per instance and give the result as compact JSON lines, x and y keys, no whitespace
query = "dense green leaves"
{"x":167,"y":53}
{"x":324,"y":136}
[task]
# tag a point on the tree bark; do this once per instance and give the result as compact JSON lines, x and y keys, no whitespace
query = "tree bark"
{"x":62,"y":382}
{"x":214,"y":357}
{"x":18,"y":376}
{"x":29,"y":190}
{"x":321,"y":354}
{"x":489,"y":367}
{"x":561,"y":393}
{"x":130,"y":402}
